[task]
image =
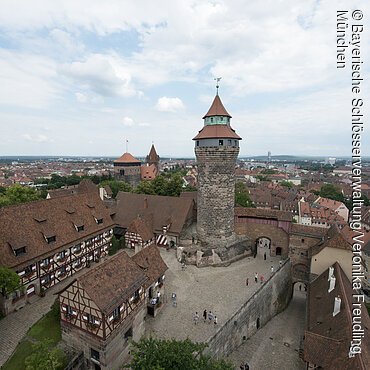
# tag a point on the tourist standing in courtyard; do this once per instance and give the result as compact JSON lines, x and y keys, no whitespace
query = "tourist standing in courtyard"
{"x":256,"y":277}
{"x":272,"y":269}
{"x":205,"y":315}
{"x":215,"y":320}
{"x":210,"y":316}
{"x":247,"y":282}
{"x":196,"y":318}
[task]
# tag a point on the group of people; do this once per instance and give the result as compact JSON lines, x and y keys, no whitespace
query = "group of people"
{"x":244,"y":366}
{"x":207,"y":316}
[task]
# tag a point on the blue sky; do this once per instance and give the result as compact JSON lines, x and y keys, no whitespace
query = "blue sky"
{"x":82,"y":77}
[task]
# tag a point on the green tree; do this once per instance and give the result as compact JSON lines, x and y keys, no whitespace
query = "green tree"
{"x":18,"y":194}
{"x":332,"y":192}
{"x":144,"y":187}
{"x":114,"y":246}
{"x":150,"y":353}
{"x":116,"y":186}
{"x":175,"y":185}
{"x":242,"y":198}
{"x":44,"y":357}
{"x":9,"y":280}
{"x":287,"y":184}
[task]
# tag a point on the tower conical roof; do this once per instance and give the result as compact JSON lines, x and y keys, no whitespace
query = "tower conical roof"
{"x":127,"y":158}
{"x":153,"y":156}
{"x":217,"y":109}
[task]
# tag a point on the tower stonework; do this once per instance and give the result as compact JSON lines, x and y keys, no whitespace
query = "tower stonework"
{"x":216,"y":150}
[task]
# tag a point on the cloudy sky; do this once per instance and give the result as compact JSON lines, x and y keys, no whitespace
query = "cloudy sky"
{"x":80,"y":77}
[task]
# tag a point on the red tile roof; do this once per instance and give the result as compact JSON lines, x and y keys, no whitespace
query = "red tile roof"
{"x":217,"y":131}
{"x":217,"y":109}
{"x":112,"y":282}
{"x":328,"y":337}
{"x":127,"y":158}
{"x":150,"y":261}
{"x":25,"y":225}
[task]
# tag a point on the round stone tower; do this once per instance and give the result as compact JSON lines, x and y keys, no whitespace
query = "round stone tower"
{"x":216,"y":150}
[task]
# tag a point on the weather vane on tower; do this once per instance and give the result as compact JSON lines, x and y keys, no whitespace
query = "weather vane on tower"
{"x":217,"y":79}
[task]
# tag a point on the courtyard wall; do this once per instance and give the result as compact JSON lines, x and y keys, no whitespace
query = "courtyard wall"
{"x":271,"y":299}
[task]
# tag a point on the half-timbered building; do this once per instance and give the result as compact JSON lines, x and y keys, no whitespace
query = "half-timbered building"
{"x":171,"y":216}
{"x":103,"y":309}
{"x":139,"y":234}
{"x":150,"y":261}
{"x":49,"y":240}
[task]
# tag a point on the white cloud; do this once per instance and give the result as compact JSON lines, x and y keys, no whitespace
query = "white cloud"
{"x":128,"y":121}
{"x":173,"y":105}
{"x":36,"y":138}
{"x":82,"y":98}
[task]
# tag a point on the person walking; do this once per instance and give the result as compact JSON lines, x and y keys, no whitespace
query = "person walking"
{"x":210,"y":317}
{"x":256,"y":277}
{"x":272,"y":269}
{"x":264,"y":256}
{"x":242,"y":366}
{"x":196,"y":318}
{"x":215,"y":320}
{"x":247,"y":282}
{"x":205,"y":315}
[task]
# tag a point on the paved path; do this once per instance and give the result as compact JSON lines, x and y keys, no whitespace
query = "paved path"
{"x":275,"y":346}
{"x":14,"y":327}
{"x":222,"y":290}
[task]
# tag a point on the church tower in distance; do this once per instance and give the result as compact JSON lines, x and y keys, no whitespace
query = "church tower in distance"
{"x":216,"y":150}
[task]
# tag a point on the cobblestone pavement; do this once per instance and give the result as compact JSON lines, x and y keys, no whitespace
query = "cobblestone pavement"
{"x":14,"y":327}
{"x":220,"y":289}
{"x":275,"y":346}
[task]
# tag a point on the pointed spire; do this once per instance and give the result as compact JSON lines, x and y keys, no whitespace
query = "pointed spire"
{"x":217,"y":109}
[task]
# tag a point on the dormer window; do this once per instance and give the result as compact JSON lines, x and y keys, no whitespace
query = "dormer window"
{"x":80,"y":227}
{"x":99,"y":221}
{"x":19,"y":251}
{"x":51,"y":239}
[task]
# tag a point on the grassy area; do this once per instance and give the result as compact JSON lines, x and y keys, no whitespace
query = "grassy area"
{"x":16,"y":362}
{"x":47,"y":327}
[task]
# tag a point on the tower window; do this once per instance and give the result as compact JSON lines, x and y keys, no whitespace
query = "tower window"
{"x":122,"y":172}
{"x":220,"y":142}
{"x":235,"y":143}
{"x":197,"y":142}
{"x":221,"y":118}
{"x":211,"y":119}
{"x":228,"y":142}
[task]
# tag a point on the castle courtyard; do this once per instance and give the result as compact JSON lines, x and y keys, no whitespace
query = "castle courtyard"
{"x":222,"y":290}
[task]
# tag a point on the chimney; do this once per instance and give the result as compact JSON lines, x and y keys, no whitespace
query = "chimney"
{"x":331,"y":284}
{"x":337,"y":302}
{"x":145,"y":203}
{"x":331,"y":272}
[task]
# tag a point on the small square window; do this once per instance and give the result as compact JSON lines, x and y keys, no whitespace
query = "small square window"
{"x":220,"y":142}
{"x":197,"y":142}
{"x":95,"y":355}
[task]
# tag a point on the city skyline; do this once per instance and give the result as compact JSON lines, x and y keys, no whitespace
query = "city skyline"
{"x":81,"y":78}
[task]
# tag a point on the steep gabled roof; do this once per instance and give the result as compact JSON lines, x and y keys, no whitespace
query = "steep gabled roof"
{"x":27,"y":225}
{"x":112,"y":282}
{"x":217,"y":109}
{"x":328,"y":337}
{"x":160,"y":208}
{"x":150,"y":261}
{"x":152,"y":156}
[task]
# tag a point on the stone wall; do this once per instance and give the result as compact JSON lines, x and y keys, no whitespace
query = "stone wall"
{"x":271,"y":299}
{"x":115,"y":350}
{"x":278,"y":237}
{"x":215,"y":199}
